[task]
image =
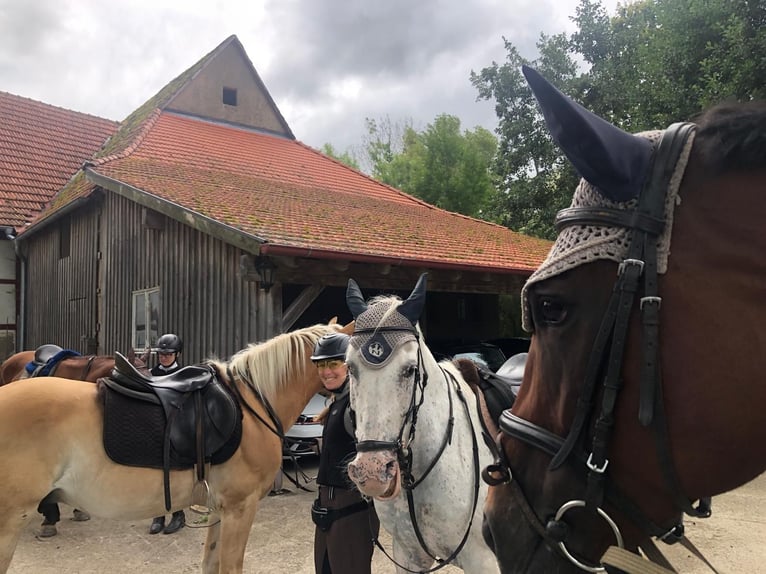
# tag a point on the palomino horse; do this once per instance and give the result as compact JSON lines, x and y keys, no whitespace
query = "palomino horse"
{"x":62,"y":364}
{"x":634,"y":408}
{"x":51,"y":442}
{"x":419,"y":452}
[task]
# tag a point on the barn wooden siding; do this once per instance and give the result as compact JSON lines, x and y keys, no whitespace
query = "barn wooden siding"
{"x":61,"y":297}
{"x":119,"y":247}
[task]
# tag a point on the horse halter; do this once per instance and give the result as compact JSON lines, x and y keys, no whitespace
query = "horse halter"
{"x":646,"y":223}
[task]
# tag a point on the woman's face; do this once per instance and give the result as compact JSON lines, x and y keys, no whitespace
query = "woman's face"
{"x":332,"y":372}
{"x":167,"y":359}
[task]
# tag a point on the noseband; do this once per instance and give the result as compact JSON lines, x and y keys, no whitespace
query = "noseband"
{"x":646,"y":223}
{"x":404,"y":452}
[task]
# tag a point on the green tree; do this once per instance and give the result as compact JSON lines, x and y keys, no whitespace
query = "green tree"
{"x":346,"y":157}
{"x":653,"y":63}
{"x":441,"y":165}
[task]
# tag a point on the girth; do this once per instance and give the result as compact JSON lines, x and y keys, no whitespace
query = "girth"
{"x":202,"y":419}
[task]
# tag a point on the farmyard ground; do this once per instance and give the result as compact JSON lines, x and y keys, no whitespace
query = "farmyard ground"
{"x":281,"y":541}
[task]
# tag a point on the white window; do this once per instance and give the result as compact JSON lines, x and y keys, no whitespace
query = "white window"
{"x":146,"y":314}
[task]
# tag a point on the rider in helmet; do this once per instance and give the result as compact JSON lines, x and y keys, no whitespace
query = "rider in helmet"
{"x":345,"y":522}
{"x":169,"y":346}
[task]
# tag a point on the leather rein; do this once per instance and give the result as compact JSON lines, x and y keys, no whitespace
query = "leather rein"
{"x":404,"y":453}
{"x":646,"y":223}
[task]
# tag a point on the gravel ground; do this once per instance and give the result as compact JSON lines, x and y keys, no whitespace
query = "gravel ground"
{"x":281,"y":540}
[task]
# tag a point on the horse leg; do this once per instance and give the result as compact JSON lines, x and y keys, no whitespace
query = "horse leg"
{"x":236,"y":522}
{"x":212,"y":557}
{"x":11,"y":527}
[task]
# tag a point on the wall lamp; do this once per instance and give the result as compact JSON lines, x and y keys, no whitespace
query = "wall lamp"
{"x":265,"y":269}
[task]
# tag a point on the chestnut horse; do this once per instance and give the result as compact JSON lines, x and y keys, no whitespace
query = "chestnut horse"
{"x":51,"y":442}
{"x":79,"y":368}
{"x":633,"y":409}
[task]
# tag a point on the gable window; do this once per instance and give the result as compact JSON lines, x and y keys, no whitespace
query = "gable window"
{"x":65,"y":237}
{"x":146,"y":313}
{"x":230,"y":96}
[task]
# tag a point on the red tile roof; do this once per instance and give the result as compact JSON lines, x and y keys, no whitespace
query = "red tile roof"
{"x":41,"y":147}
{"x":297,"y":200}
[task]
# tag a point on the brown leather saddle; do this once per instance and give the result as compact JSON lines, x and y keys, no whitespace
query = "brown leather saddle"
{"x":173,"y":422}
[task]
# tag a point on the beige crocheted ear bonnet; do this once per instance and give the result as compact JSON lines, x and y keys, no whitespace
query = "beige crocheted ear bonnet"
{"x":578,"y":244}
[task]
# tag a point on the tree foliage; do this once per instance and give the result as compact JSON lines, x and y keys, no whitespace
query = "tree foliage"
{"x":346,"y":157}
{"x":441,"y":164}
{"x":653,"y":63}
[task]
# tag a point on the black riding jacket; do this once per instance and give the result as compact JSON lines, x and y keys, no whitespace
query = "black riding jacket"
{"x":338,"y":446}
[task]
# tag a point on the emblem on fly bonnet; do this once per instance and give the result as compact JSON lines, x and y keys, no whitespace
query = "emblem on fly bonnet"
{"x":380,"y":328}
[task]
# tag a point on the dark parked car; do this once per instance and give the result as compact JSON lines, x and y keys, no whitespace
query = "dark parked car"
{"x":485,"y":355}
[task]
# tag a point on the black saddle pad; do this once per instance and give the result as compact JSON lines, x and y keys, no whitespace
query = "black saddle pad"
{"x":134,"y":433}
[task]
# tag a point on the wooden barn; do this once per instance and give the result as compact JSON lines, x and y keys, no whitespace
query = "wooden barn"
{"x":203,"y":215}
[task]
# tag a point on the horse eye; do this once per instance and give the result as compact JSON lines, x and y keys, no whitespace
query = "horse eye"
{"x":551,"y":311}
{"x":408,"y":372}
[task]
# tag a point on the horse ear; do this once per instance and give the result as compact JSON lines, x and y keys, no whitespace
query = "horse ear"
{"x":413,"y":306}
{"x":354,"y":299}
{"x":348,"y":328}
{"x":608,"y":158}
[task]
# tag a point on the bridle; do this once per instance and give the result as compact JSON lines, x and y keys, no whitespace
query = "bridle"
{"x":402,"y":447}
{"x":646,"y":223}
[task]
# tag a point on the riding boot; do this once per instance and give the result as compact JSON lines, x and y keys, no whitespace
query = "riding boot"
{"x":47,"y":529}
{"x":157,"y":525}
{"x":80,"y":515}
{"x":176,"y":523}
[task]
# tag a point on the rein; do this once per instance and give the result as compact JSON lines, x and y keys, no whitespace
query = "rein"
{"x":404,"y":454}
{"x":277,"y":429}
{"x":605,"y":366}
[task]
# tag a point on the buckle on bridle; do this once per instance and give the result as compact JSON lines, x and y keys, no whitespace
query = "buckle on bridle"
{"x":626,"y":262}
{"x":652,"y":300}
{"x":595,"y":468}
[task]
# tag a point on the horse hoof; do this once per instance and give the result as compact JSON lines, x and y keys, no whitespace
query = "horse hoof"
{"x":47,"y":530}
{"x":80,"y":515}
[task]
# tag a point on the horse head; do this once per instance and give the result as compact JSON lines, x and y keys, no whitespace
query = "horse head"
{"x":385,"y":359}
{"x":620,"y":425}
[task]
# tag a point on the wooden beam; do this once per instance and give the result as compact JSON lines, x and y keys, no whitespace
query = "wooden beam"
{"x":301,"y":303}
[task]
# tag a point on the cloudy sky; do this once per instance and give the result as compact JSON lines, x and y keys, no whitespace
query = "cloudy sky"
{"x":328,"y":64}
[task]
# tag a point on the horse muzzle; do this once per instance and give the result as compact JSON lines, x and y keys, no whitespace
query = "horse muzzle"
{"x":376,"y":474}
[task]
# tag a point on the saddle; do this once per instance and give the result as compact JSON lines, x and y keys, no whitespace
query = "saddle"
{"x":494,"y":393}
{"x":173,"y":422}
{"x":46,"y":359}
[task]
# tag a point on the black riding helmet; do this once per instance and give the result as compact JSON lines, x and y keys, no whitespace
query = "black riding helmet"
{"x":332,"y":346}
{"x":169,"y":343}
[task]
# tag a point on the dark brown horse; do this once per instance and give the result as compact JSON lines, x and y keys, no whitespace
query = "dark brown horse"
{"x":643,"y":392}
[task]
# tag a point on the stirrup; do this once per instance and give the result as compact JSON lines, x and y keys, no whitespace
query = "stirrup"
{"x":202,"y":502}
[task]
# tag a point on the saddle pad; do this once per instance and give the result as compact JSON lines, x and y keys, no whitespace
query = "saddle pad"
{"x":134,"y":432}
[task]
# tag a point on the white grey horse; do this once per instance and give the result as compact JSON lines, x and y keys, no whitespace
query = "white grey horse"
{"x":420,"y":449}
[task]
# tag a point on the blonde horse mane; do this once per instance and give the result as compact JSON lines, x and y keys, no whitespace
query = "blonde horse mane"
{"x":269,"y":365}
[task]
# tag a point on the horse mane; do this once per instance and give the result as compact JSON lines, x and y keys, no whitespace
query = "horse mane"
{"x":732,"y":137}
{"x":269,"y":365}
